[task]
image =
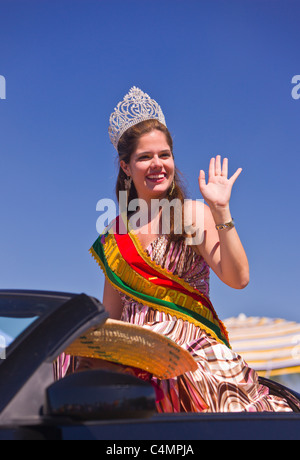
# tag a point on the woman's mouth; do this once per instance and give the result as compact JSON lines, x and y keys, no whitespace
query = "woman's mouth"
{"x":156,"y":178}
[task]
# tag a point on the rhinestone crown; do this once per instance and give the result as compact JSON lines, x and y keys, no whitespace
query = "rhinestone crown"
{"x":136,"y":106}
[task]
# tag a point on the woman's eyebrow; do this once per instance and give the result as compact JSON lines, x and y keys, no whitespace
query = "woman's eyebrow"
{"x":149,"y":152}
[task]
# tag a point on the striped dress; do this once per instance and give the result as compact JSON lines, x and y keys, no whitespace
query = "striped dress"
{"x":223,"y":381}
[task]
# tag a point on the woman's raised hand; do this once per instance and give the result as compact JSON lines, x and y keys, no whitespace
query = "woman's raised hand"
{"x":217,"y":191}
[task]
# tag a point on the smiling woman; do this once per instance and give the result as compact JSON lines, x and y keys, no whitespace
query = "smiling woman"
{"x":146,"y":157}
{"x":151,"y":166}
{"x":160,"y":282}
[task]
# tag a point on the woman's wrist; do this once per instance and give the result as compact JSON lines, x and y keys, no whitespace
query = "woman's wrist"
{"x":221,"y":215}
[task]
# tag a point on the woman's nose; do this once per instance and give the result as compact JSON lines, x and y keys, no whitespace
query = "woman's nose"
{"x":156,"y":161}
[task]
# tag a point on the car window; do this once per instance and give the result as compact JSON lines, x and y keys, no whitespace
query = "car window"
{"x":11,"y":328}
{"x":20,"y":308}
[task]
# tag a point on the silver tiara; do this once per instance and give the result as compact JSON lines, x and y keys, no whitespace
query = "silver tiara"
{"x":136,"y":106}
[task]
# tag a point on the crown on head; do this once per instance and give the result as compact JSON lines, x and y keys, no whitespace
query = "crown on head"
{"x":136,"y":106}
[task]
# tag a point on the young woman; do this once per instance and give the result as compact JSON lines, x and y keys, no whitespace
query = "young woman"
{"x":161,"y":281}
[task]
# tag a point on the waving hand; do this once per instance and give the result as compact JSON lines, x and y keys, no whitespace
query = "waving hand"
{"x":217,"y":191}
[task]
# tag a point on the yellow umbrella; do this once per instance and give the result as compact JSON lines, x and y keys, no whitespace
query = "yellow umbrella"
{"x":270,"y":346}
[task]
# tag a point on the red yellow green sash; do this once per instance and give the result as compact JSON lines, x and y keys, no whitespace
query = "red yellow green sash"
{"x":130,"y":270}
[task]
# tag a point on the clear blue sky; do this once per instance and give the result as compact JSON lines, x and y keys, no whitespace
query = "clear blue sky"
{"x":221,"y":71}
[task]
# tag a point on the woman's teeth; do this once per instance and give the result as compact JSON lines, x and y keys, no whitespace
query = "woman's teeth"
{"x":156,"y":176}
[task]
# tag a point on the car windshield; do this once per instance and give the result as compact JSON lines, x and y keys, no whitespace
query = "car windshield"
{"x":10,"y":328}
{"x":19,"y":309}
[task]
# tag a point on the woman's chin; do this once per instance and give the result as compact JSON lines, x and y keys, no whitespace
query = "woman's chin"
{"x":159,"y":187}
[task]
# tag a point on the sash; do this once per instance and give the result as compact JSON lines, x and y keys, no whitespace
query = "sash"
{"x":131,"y":271}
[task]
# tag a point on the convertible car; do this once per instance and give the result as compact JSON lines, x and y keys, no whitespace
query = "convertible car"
{"x":36,"y":327}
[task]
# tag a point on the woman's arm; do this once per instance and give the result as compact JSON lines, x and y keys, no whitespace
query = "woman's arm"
{"x":222,"y":249}
{"x":112,"y":301}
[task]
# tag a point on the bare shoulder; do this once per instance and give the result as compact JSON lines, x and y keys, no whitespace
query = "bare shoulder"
{"x":194,"y":211}
{"x":194,"y":222}
{"x":200,"y":226}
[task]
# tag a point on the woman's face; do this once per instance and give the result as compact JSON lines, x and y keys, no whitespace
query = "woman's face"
{"x":151,"y":166}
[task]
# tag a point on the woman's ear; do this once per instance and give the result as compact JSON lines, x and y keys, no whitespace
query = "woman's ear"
{"x":125,"y":167}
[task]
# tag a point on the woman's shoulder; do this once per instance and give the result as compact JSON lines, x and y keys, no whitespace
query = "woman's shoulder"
{"x":118,"y":224}
{"x":196,"y":207}
{"x":195,"y":212}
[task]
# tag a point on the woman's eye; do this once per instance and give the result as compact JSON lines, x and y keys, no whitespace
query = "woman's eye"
{"x":144,"y":157}
{"x":148,"y":157}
